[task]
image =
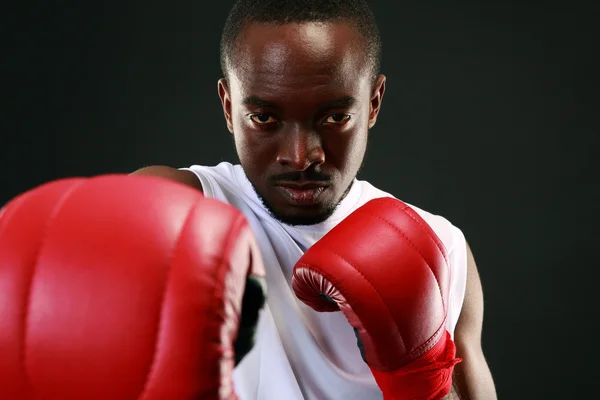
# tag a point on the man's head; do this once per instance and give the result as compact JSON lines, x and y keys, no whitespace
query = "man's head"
{"x":301,"y":89}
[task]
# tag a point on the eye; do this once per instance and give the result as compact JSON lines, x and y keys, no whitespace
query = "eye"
{"x":337,"y":118}
{"x":262,"y":119}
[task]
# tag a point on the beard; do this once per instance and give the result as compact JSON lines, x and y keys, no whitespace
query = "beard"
{"x":304,"y":220}
{"x":310,"y":174}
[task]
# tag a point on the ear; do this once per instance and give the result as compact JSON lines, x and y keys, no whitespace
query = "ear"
{"x":225,"y":96}
{"x":376,"y":99}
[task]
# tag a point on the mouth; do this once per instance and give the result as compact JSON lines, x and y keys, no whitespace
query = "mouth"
{"x":301,"y":194}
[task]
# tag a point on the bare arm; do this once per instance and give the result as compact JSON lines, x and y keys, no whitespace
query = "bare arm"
{"x":182,"y":176}
{"x":472,"y":377}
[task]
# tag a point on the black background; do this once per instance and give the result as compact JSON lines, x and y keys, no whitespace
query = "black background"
{"x":487,"y":120}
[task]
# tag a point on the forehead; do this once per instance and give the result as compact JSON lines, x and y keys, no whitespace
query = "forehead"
{"x":296,"y":59}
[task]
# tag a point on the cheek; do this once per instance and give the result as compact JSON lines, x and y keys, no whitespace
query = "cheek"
{"x":357,"y":143}
{"x":255,"y":151}
{"x":356,"y":151}
{"x":243,"y":141}
{"x":241,"y":144}
{"x":347,"y":150}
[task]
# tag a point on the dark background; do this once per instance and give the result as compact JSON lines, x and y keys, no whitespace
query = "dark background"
{"x":487,"y":120}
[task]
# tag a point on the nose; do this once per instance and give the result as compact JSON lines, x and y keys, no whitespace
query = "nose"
{"x":301,"y":149}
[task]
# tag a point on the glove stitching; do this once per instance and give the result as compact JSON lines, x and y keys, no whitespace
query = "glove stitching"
{"x":161,"y":323}
{"x":420,"y":350}
{"x":425,"y":346}
{"x":53,"y":214}
{"x":340,"y":288}
{"x":234,"y":234}
{"x":426,"y":227}
{"x":418,"y":251}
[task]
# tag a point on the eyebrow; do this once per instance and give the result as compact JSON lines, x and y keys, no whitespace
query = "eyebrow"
{"x":346,"y":101}
{"x":255,"y":101}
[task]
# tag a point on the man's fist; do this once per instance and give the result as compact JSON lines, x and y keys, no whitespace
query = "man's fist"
{"x":388,"y":272}
{"x":124,"y":287}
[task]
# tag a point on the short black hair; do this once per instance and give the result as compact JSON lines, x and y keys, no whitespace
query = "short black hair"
{"x":281,"y":12}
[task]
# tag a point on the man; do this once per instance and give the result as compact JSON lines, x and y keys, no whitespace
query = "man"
{"x":300,"y":92}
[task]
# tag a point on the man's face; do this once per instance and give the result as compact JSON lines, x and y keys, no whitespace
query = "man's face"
{"x":300,"y":101}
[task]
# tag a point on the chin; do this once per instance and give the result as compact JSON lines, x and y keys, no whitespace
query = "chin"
{"x":303,"y":218}
{"x":297,"y":216}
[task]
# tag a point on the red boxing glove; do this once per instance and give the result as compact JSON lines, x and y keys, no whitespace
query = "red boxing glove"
{"x":388,"y":272}
{"x":124,"y":287}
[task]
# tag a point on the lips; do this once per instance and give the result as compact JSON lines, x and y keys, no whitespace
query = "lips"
{"x":305,"y":194}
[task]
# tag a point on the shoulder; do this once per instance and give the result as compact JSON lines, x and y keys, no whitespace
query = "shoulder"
{"x":452,"y":237}
{"x":216,"y":179}
{"x":208,"y":179}
{"x":457,"y":255}
{"x":449,"y":234}
{"x":162,"y":171}
{"x":223,"y":169}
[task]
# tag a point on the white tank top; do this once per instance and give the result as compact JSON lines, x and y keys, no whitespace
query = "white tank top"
{"x":301,"y":354}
